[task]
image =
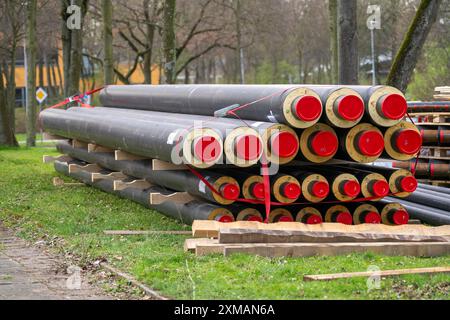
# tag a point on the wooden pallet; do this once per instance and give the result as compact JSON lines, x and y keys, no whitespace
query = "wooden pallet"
{"x":300,"y":240}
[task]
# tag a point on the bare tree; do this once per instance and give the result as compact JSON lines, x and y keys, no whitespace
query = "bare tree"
{"x":108,"y":67}
{"x":333,"y":14}
{"x":31,"y":74}
{"x":169,"y":41}
{"x":348,"y":42}
{"x":408,"y":55}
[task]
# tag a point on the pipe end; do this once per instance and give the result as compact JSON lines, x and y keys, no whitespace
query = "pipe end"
{"x":371,"y":143}
{"x":393,"y":106}
{"x":324,"y":144}
{"x":308,"y":108}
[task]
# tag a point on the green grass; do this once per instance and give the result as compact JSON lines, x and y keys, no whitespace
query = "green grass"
{"x":79,"y":215}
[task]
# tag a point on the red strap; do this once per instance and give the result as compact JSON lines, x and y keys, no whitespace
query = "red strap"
{"x":77,"y":98}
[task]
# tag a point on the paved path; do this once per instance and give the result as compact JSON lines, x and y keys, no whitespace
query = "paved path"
{"x":28,"y":273}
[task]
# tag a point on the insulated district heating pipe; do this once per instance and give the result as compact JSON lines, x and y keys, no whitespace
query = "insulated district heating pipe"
{"x":177,"y":180}
{"x":184,"y":212}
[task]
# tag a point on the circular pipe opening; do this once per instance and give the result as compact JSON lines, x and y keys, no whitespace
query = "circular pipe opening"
{"x":324,"y":143}
{"x":393,"y":107}
{"x":207,"y":149}
{"x":409,"y":184}
{"x":370,"y":143}
{"x":284,"y":144}
{"x":307,"y":108}
{"x":408,"y":142}
{"x":349,"y":108}
{"x":320,"y":189}
{"x":248,"y":147}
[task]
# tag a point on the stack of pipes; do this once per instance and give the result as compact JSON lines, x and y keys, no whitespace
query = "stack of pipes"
{"x":432,"y":121}
{"x":224,"y":152}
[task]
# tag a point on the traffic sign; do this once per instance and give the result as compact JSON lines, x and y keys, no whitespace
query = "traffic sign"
{"x":41,"y":95}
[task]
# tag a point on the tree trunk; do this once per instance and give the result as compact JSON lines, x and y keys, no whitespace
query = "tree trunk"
{"x":408,"y":55}
{"x":31,"y":74}
{"x":150,"y":36}
{"x":239,"y":55}
{"x":108,"y":64}
{"x":333,"y":14}
{"x":66,"y":39}
{"x":11,"y":87}
{"x":7,"y":137}
{"x":348,"y":42}
{"x":169,"y":41}
{"x":76,"y":54}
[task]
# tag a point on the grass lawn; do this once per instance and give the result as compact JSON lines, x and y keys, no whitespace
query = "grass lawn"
{"x":79,"y":215}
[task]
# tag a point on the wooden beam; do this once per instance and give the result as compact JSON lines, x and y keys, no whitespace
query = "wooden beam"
{"x":158,"y":165}
{"x":120,"y":185}
{"x":79,"y":144}
{"x":111,"y":176}
{"x":51,"y":159}
{"x":190,"y":245}
{"x":58,"y":182}
{"x":91,"y":168}
{"x":425,"y":249}
{"x":179,"y":197}
{"x":94,"y":148}
{"x":233,"y":236}
{"x":210,"y":229}
{"x":125,"y":156}
{"x":144,"y":233}
{"x":49,"y":136}
{"x":385,"y":273}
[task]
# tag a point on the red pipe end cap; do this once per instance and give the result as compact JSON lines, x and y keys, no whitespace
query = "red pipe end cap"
{"x":352,"y":188}
{"x":284,"y":144}
{"x":371,"y":143}
{"x":292,"y":191}
{"x":255,"y":219}
{"x":324,"y":144}
{"x":308,"y":108}
{"x":226,"y":219}
{"x":230,"y":191}
{"x":380,"y":188}
{"x":350,"y":108}
{"x":207,"y":149}
{"x":314,"y":219}
{"x":409,"y":184}
{"x":372,"y":218}
{"x":400,"y":217}
{"x":394,"y":107}
{"x":344,"y":218}
{"x":248,"y":147}
{"x":408,"y":142}
{"x":258,"y":191}
{"x":320,"y":189}
{"x":286,"y":219}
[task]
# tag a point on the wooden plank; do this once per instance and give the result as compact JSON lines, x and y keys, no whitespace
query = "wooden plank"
{"x":427,"y":249}
{"x":95,"y":148}
{"x":158,"y":165}
{"x":111,"y":176}
{"x":209,"y":247}
{"x":49,"y":136}
{"x":125,"y":156}
{"x":50,"y":159}
{"x":190,"y":245}
{"x":144,"y":233}
{"x":233,"y":236}
{"x":151,"y":293}
{"x":58,"y":182}
{"x":79,"y":144}
{"x":91,"y":168}
{"x":210,"y":229}
{"x":179,"y":197}
{"x":120,"y":185}
{"x":384,"y":273}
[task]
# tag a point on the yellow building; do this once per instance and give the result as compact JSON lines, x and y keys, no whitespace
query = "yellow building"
{"x":52,"y":80}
